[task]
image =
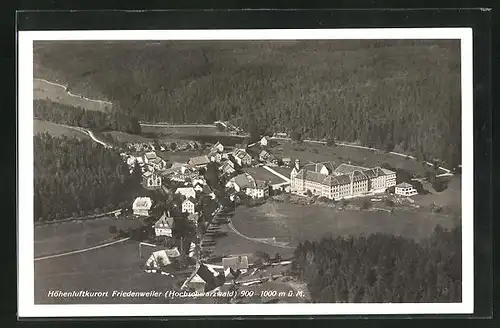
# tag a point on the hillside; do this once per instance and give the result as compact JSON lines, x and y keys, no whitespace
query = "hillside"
{"x":56,"y":130}
{"x":402,"y":95}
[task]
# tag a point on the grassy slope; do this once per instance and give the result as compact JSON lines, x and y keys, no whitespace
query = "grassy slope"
{"x":46,"y":91}
{"x":56,"y":130}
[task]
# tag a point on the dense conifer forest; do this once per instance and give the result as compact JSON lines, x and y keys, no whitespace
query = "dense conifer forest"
{"x":75,"y":177}
{"x":391,"y":94}
{"x":76,"y":116}
{"x":382,"y":268}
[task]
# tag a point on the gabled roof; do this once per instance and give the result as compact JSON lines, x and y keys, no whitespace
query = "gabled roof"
{"x":142,"y":203}
{"x":191,"y":199}
{"x":243,"y":180}
{"x":358,"y":176}
{"x":374,"y":173}
{"x":260,"y":184}
{"x":236,"y":262}
{"x":150,"y":155}
{"x":165,"y":222}
{"x":404,"y":185}
{"x":199,"y":160}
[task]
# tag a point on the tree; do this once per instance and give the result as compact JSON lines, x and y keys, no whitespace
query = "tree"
{"x":439,"y":185}
{"x":366,"y":204}
{"x":113,"y":229}
{"x":173,"y":146}
{"x":309,"y":193}
{"x":296,"y":136}
{"x":330,"y":142}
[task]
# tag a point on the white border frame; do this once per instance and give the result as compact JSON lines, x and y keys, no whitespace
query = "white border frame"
{"x":26,"y":306}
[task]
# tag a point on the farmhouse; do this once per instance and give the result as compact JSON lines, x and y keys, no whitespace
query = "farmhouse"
{"x":346,"y":181}
{"x":148,"y":157}
{"x":189,"y":205}
{"x":142,"y":206}
{"x":264,"y":141}
{"x":203,"y":279}
{"x":241,"y":182}
{"x":162,"y":258}
{"x":233,"y":265}
{"x":265,"y":156}
{"x":164,"y":226}
{"x":242,"y":158}
{"x":199,"y":161}
{"x":405,"y":189}
{"x":215,"y":157}
{"x":151,"y":180}
{"x":157,"y":163}
{"x":259,"y":189}
{"x":186,"y":192}
{"x":217,"y":148}
{"x":227,"y":167}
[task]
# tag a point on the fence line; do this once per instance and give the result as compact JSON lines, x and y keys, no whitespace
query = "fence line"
{"x":82,"y":218}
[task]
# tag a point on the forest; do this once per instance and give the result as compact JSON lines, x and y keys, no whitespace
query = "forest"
{"x":74,"y":178}
{"x":401,"y":95}
{"x":76,"y":116}
{"x":382,"y":268}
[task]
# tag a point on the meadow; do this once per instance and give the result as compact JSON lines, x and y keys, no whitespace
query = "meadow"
{"x":56,"y":130}
{"x":44,"y":90}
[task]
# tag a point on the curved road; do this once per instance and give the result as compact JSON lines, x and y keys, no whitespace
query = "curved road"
{"x":72,"y":94}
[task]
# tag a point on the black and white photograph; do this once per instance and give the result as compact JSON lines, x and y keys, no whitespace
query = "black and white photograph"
{"x":246,"y":172}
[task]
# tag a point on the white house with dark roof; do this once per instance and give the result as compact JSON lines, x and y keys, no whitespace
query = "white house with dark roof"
{"x":217,"y":148}
{"x":405,"y":189}
{"x":258,"y":189}
{"x":241,"y":182}
{"x":242,"y":158}
{"x":264,"y":141}
{"x":189,"y":205}
{"x":149,"y":156}
{"x":232,"y":265}
{"x":151,"y":180}
{"x":142,"y":206}
{"x":164,"y":226}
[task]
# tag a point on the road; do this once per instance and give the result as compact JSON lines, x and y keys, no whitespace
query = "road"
{"x":74,"y":95}
{"x":89,"y":133}
{"x":81,"y":250}
{"x":447,"y":171}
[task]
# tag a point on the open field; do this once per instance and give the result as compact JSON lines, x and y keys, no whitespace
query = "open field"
{"x":451,"y":197}
{"x":299,"y":223}
{"x":68,"y":236}
{"x":117,"y":267}
{"x":127,"y":137}
{"x":47,"y":91}
{"x":56,"y":130}
{"x":309,"y":152}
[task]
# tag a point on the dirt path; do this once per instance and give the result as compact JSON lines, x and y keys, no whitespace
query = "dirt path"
{"x":81,"y":250}
{"x":268,"y":241}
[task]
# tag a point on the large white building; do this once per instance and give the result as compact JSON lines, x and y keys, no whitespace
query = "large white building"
{"x":345,"y":181}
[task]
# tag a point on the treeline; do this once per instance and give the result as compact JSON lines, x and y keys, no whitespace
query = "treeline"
{"x":382,"y":268}
{"x":382,"y":93}
{"x":74,"y":178}
{"x":76,"y":116}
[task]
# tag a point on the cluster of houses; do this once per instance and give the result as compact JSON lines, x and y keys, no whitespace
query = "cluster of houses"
{"x":159,"y":146}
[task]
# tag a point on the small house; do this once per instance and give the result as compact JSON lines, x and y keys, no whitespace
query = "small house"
{"x":241,"y":182}
{"x":149,"y":156}
{"x":203,"y":279}
{"x":217,"y":148}
{"x":190,"y":205}
{"x":264,"y":141}
{"x":151,"y":180}
{"x":199,"y":161}
{"x":287,"y":161}
{"x":242,"y":157}
{"x":259,"y":189}
{"x":233,"y":265}
{"x":164,"y":226}
{"x":405,"y":189}
{"x":142,"y":206}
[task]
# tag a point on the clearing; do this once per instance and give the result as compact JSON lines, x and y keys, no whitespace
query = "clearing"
{"x":45,"y":90}
{"x":299,"y":223}
{"x":311,"y":152}
{"x":56,"y":130}
{"x":69,"y":236}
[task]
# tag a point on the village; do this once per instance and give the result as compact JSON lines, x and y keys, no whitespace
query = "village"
{"x":196,"y":195}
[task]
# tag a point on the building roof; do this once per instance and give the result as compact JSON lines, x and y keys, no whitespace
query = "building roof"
{"x":156,"y":160}
{"x":165,"y":222}
{"x":243,"y":180}
{"x":193,"y":216}
{"x":150,"y":155}
{"x":147,"y":174}
{"x":142,"y":203}
{"x":404,"y":185}
{"x":358,"y":176}
{"x":286,"y":159}
{"x":261,"y":184}
{"x":190,"y":199}
{"x":240,"y":153}
{"x":348,"y":168}
{"x":185,"y":190}
{"x":311,"y":176}
{"x":387,"y":171}
{"x":237,"y":262}
{"x":199,"y":160}
{"x":374,"y":173}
